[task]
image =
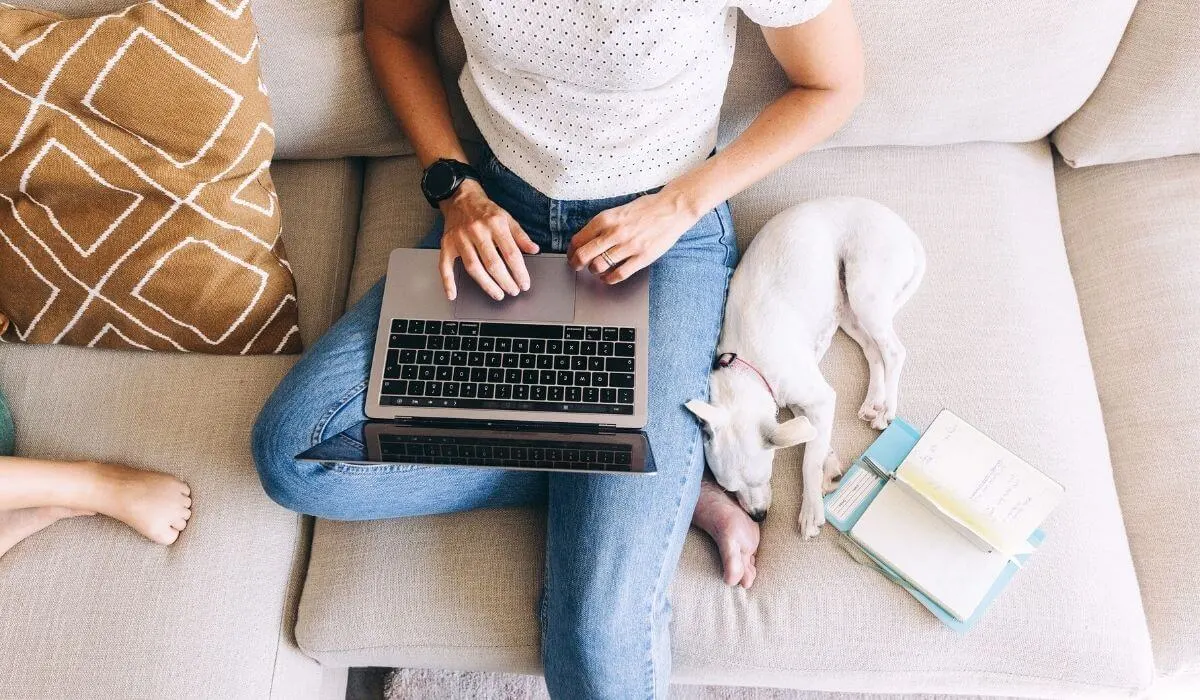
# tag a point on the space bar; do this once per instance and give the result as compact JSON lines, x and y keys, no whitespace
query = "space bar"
{"x":548,"y":406}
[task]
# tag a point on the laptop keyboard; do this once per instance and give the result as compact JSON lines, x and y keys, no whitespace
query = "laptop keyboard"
{"x":502,"y":452}
{"x":510,"y":366}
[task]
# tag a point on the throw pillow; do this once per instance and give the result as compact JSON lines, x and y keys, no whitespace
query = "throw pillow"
{"x":136,"y":204}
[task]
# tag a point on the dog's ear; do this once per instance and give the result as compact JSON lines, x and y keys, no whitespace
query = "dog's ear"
{"x":712,"y":416}
{"x":791,"y":432}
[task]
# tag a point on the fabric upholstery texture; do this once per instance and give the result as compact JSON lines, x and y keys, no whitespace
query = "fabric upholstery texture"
{"x":1133,"y":237}
{"x":89,"y":607}
{"x":136,"y":203}
{"x":994,"y":333}
{"x":1148,"y":105}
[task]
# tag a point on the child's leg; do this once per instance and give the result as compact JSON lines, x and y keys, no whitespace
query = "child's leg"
{"x":16,"y":525}
{"x":156,"y":505}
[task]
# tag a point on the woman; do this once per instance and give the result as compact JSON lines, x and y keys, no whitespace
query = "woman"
{"x":35,"y":493}
{"x":600,"y":118}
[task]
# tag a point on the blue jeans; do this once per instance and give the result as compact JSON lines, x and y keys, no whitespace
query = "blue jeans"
{"x":612,"y":542}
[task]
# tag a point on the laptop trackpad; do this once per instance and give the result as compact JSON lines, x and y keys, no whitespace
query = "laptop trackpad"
{"x":551,"y":297}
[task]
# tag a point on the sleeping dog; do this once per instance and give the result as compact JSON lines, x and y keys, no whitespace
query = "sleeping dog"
{"x":840,"y":262}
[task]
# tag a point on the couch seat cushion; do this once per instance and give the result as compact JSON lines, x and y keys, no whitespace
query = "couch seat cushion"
{"x":1133,"y":237}
{"x":91,"y":608}
{"x":994,"y":333}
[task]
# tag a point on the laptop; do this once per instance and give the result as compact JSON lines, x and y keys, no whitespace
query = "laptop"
{"x":554,"y":379}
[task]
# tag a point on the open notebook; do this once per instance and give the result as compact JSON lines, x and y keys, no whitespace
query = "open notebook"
{"x":949,"y":515}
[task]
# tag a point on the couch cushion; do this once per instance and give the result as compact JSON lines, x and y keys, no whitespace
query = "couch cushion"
{"x":90,"y":605}
{"x":994,"y":333}
{"x":1148,"y":104}
{"x":1133,"y":237}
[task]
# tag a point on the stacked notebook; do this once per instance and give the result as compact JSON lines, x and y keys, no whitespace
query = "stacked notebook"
{"x":949,"y":515}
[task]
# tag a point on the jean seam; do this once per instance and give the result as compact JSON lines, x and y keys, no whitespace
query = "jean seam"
{"x":726,"y":234}
{"x":318,"y":434}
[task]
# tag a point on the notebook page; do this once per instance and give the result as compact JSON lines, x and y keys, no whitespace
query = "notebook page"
{"x":974,"y":480}
{"x":927,"y":551}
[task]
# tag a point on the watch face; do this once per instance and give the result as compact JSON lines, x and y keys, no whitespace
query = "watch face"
{"x":439,"y":180}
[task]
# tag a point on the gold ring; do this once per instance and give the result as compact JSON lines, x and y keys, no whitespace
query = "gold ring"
{"x":608,"y":260}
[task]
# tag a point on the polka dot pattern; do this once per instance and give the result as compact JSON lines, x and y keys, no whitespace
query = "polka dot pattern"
{"x":585,"y":99}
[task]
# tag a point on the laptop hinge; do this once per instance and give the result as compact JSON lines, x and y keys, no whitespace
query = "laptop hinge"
{"x":518,"y":426}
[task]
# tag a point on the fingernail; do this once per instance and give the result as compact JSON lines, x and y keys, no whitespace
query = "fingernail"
{"x":525,"y":287}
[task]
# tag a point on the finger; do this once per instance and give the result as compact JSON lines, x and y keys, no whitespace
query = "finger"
{"x":625,"y":270}
{"x":476,"y":270}
{"x":524,"y":242}
{"x":591,"y":250}
{"x":446,"y":267}
{"x":586,"y":234}
{"x":494,"y":264}
{"x":617,"y":254}
{"x":513,"y":258}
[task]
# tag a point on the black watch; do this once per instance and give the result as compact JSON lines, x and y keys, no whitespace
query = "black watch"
{"x":442,"y":179}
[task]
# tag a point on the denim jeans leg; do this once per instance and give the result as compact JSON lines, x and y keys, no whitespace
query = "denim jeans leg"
{"x":613,"y":542}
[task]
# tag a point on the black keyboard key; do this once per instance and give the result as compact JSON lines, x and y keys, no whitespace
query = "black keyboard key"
{"x":608,"y":396}
{"x":469,"y":343}
{"x":583,"y":379}
{"x":600,"y":379}
{"x":571,"y":347}
{"x":545,"y":362}
{"x":398,"y":388}
{"x":625,"y":395}
{"x":451,"y":342}
{"x":444,"y":373}
{"x":555,"y":393}
{"x":546,"y":377}
{"x":587,"y":347}
{"x":520,"y":345}
{"x":478,"y":374}
{"x":592,"y":333}
{"x":623,"y":458}
{"x":511,"y":360}
{"x":495,"y":375}
{"x":604,"y":456}
{"x":554,"y":347}
{"x":521,"y":392}
{"x":441,"y":357}
{"x":450,"y":389}
{"x":407,"y":357}
{"x":434,"y":342}
{"x":625,"y":349}
{"x":487,"y":391}
{"x":562,"y":362}
{"x":536,"y":346}
{"x":427,"y":372}
{"x":604,"y":349}
{"x":512,"y":376}
{"x":399,"y":325}
{"x":458,"y":358}
{"x":504,"y":391}
{"x":590,"y":394}
{"x":392,"y":372}
{"x":487,"y":344}
{"x":503,"y":344}
{"x":521,"y":330}
{"x":494,"y":359}
{"x":467,"y":390}
{"x":433,"y":327}
{"x":620,"y":379}
{"x":409,"y":372}
{"x":449,"y":327}
{"x":628,"y":335}
{"x":574,"y":394}
{"x":596,"y":364}
{"x":579,"y":362}
{"x":462,"y":374}
{"x":609,"y":333}
{"x":537,"y":393}
{"x":475,"y":359}
{"x":619,"y":364}
{"x":416,"y":388}
{"x":529,"y":376}
{"x":416,"y":326}
{"x":528,"y":361}
{"x":565,"y":378}
{"x":425,"y":357}
{"x":574,"y":333}
{"x":465,"y":328}
{"x":406,"y":341}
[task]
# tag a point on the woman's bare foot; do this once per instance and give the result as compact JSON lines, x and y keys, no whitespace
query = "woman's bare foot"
{"x":16,"y":525}
{"x":736,"y":535}
{"x":156,"y":505}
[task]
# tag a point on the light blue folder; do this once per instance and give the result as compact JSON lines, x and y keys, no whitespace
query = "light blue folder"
{"x":887,"y":453}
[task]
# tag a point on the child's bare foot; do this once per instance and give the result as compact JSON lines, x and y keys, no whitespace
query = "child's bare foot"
{"x":16,"y":525}
{"x":155,"y":504}
{"x":736,"y":535}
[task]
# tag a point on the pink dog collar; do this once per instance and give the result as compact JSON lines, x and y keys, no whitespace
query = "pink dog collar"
{"x":726,"y":359}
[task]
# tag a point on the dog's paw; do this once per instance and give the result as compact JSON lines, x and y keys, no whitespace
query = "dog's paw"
{"x":832,"y":470}
{"x":879,"y":415}
{"x":812,"y":516}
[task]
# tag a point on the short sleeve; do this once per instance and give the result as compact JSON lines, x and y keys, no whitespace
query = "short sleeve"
{"x":781,"y":13}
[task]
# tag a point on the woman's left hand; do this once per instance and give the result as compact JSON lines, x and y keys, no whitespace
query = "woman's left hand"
{"x":632,"y":235}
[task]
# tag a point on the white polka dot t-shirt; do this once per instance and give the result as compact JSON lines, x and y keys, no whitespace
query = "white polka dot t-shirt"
{"x":585,"y":99}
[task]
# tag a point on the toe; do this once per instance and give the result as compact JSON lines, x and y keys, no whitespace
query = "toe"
{"x":734,"y":566}
{"x":187,"y":514}
{"x":751,"y":573}
{"x":166,"y":536}
{"x":179,"y":524}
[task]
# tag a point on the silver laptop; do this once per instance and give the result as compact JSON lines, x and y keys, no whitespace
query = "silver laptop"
{"x":554,"y":379}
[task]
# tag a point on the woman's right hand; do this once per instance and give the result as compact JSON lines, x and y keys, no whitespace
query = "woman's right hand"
{"x":487,"y":239}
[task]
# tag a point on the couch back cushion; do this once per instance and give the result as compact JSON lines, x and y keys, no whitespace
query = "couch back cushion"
{"x":938,"y":71}
{"x":1148,"y":105}
{"x":136,"y":205}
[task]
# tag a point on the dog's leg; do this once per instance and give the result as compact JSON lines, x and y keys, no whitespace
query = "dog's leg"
{"x":874,"y":406}
{"x":877,"y":325}
{"x":817,"y":455}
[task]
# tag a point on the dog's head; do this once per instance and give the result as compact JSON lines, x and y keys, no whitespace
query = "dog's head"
{"x":740,"y":447}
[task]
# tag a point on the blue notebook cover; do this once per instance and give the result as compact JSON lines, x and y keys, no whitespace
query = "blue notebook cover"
{"x":860,"y":485}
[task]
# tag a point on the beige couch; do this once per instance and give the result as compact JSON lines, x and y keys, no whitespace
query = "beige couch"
{"x":1060,"y":312}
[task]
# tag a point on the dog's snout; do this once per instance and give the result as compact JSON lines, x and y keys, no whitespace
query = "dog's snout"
{"x":758,"y":515}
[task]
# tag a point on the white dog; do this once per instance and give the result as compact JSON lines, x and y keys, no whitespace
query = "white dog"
{"x":842,"y":261}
